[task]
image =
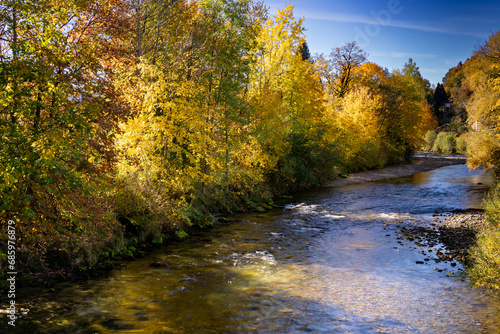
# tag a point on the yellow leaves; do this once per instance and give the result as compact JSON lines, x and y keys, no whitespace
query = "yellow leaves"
{"x":359,"y":112}
{"x":370,"y":73}
{"x":357,"y":119}
{"x":481,"y":149}
{"x":482,"y":78}
{"x":280,"y":38}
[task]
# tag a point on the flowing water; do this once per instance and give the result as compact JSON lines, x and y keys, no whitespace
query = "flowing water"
{"x":330,"y":261}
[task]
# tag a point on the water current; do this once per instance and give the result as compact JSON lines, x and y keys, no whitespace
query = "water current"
{"x":328,"y":261}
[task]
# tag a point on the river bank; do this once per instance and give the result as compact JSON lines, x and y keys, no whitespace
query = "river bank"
{"x":450,"y":236}
{"x":422,"y":162}
{"x":331,"y":260}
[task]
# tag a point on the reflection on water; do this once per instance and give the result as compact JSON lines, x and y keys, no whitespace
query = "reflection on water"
{"x":330,"y":262}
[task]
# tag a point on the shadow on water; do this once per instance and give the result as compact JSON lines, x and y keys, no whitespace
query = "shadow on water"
{"x":329,"y":262}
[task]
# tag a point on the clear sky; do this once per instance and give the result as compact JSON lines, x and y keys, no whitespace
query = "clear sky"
{"x":437,"y":34}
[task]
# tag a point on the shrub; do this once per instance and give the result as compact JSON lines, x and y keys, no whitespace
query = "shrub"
{"x":445,"y":143}
{"x":461,"y":144}
{"x":430,"y":138}
{"x":457,"y":127}
{"x":485,"y":271}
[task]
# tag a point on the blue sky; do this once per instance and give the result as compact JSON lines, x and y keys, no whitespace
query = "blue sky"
{"x":436,"y":34}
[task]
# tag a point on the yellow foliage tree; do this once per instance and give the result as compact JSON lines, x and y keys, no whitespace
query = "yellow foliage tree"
{"x":288,"y":103}
{"x":356,"y":130}
{"x":405,"y":114}
{"x":482,"y":76}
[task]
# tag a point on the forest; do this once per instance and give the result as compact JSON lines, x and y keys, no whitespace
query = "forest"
{"x":125,"y":123}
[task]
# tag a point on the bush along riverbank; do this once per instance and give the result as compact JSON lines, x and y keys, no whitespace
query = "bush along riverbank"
{"x":485,"y":269}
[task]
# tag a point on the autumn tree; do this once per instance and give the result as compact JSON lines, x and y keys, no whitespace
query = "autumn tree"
{"x":344,"y":60}
{"x":288,"y":104}
{"x":482,"y":77}
{"x":57,"y":63}
{"x":358,"y":129}
{"x":405,"y":113}
{"x":189,"y":99}
{"x":490,"y":49}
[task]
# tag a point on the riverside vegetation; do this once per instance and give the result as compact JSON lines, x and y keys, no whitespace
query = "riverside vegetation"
{"x":474,"y":90}
{"x":125,"y":123}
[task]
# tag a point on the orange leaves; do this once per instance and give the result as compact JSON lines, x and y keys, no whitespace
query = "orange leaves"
{"x":370,"y":74}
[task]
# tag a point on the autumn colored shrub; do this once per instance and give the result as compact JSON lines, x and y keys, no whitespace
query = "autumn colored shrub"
{"x":485,"y":270}
{"x":461,"y":144}
{"x":430,"y":138}
{"x":444,"y":143}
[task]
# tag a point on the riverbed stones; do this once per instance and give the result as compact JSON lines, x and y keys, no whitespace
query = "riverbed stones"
{"x":456,"y":234}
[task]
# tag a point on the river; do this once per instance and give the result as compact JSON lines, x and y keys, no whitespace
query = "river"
{"x":328,"y":261}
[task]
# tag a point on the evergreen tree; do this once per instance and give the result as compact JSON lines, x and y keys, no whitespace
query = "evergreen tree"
{"x":440,"y":97}
{"x":304,"y":51}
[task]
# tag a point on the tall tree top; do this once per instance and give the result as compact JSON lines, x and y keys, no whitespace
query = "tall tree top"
{"x":490,"y":49}
{"x":349,"y":54}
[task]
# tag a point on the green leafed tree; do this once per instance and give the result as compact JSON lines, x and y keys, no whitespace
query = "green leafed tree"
{"x":56,"y":67}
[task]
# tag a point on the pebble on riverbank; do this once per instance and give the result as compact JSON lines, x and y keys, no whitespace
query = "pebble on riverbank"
{"x":456,"y":234}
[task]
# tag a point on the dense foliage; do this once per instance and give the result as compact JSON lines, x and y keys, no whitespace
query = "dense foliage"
{"x":125,"y":122}
{"x":475,"y":85}
{"x":474,"y":88}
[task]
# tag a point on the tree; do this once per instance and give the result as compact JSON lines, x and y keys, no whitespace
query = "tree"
{"x":405,"y":114}
{"x":57,"y":66}
{"x":482,"y":76}
{"x":369,"y":74}
{"x":359,"y":129}
{"x":304,"y":51}
{"x":439,"y":97}
{"x":490,"y":49}
{"x":288,"y":104}
{"x":189,"y":99}
{"x":344,"y":60}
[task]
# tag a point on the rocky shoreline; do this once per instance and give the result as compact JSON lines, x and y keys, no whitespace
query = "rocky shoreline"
{"x":449,"y":237}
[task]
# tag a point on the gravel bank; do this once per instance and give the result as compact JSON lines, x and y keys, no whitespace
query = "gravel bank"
{"x":422,"y":162}
{"x":449,"y":237}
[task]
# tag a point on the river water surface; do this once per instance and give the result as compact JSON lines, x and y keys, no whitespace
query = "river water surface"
{"x":329,"y":261}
